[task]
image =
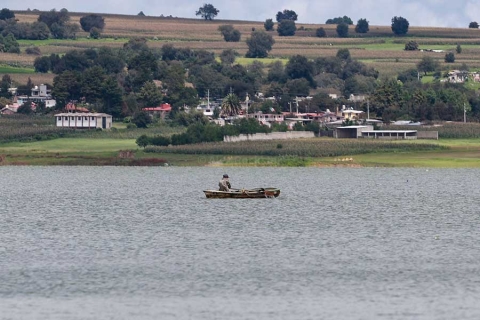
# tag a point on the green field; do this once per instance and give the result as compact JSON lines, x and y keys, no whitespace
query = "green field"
{"x":15,"y":70}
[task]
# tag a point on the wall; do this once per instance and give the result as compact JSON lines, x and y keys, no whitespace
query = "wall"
{"x":427,"y":135}
{"x":270,"y":136}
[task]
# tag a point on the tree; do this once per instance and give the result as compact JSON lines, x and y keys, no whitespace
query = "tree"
{"x":339,"y":20}
{"x":6,"y":14}
{"x":141,"y":119}
{"x":286,"y":15}
{"x":42,"y":64}
{"x":286,"y":28}
{"x":400,"y":26}
{"x":150,"y":94}
{"x":259,"y":44}
{"x":5,"y":84}
{"x":208,"y":12}
{"x":473,"y":25}
{"x":229,"y":33}
{"x":450,"y":57}
{"x":321,"y":32}
{"x":38,"y":31}
{"x":342,"y":30}
{"x":411,"y":46}
{"x":92,"y":21}
{"x":230,"y":105}
{"x":458,"y":49}
{"x":268,"y":25}
{"x":141,"y":14}
{"x":298,"y":67}
{"x":112,"y":97}
{"x":427,"y":64}
{"x":362,"y":26}
{"x":9,"y":44}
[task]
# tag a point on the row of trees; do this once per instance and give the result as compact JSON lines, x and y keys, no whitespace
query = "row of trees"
{"x":49,"y":23}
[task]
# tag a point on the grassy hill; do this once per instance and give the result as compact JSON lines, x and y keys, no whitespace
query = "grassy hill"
{"x":378,"y":48}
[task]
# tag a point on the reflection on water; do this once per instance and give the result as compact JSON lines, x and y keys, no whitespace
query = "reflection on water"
{"x":144,"y":243}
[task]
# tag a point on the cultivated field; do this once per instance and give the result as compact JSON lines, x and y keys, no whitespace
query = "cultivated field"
{"x":379,"y":48}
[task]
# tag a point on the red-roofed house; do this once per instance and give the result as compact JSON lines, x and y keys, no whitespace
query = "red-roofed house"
{"x":161,"y":110}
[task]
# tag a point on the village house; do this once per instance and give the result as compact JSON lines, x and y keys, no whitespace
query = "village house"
{"x":161,"y":110}
{"x":266,"y":118}
{"x":38,"y":94}
{"x":457,"y":76}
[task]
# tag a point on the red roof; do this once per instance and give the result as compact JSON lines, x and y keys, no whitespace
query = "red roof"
{"x":165,"y":107}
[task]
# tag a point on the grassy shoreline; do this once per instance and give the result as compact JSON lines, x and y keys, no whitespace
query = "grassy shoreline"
{"x":452,"y":153}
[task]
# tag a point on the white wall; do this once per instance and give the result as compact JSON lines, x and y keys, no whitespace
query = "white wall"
{"x":270,"y":136}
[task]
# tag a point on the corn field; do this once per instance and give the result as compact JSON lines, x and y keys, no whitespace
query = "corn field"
{"x":21,"y":128}
{"x":299,"y":148}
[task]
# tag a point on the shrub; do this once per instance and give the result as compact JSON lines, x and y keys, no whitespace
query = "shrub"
{"x":33,"y":51}
{"x":229,"y":33}
{"x":450,"y":57}
{"x":268,"y":25}
{"x":321,"y":33}
{"x":411,"y":46}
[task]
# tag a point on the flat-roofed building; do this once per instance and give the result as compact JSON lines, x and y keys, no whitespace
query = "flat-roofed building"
{"x":84,"y":120}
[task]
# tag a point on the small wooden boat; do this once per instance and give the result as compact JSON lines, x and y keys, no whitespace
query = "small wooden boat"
{"x":244,"y":193}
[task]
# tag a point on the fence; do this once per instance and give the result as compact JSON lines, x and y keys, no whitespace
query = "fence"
{"x":427,"y":135}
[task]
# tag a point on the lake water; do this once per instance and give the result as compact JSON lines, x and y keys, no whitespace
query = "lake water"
{"x":144,"y":243}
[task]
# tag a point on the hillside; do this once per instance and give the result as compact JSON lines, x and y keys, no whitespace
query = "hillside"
{"x":378,"y":48}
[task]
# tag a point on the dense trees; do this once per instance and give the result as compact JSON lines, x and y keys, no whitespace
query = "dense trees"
{"x":362,"y":26}
{"x":92,"y":21}
{"x":286,"y":15}
{"x":259,"y":44}
{"x":6,"y":14}
{"x":229,"y":33}
{"x":207,"y":11}
{"x":400,"y":26}
{"x":286,"y":28}
{"x":339,"y":20}
{"x":53,"y":16}
{"x":268,"y":25}
{"x":342,"y":30}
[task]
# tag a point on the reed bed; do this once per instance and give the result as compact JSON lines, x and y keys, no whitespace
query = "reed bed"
{"x":301,"y":148}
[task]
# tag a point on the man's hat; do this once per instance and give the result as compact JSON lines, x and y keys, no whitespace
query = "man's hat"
{"x":225,"y":175}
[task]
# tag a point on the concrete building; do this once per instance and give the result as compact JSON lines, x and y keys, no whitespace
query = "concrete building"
{"x":352,"y":132}
{"x":390,"y":134}
{"x":84,"y":120}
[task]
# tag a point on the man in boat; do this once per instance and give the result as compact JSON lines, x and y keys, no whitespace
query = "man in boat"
{"x":224,"y":184}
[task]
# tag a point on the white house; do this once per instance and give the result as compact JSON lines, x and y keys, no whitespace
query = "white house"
{"x":39,"y":94}
{"x":84,"y":120}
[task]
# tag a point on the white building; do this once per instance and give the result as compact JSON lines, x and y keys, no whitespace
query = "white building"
{"x":39,"y":94}
{"x":84,"y":120}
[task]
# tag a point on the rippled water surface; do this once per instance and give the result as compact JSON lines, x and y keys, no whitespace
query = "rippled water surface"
{"x":144,"y":243}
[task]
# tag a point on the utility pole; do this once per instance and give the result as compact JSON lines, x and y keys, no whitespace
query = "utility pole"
{"x":290,"y":105}
{"x":464,"y":113}
{"x":208,"y":99}
{"x":368,"y":109}
{"x":247,"y":99}
{"x":296,"y":101}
